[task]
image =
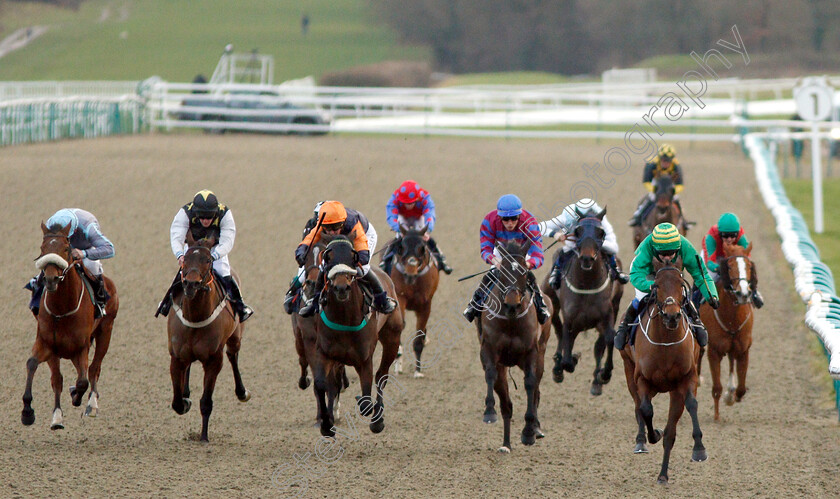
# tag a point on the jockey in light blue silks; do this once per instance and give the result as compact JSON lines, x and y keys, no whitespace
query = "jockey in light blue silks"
{"x":88,"y":244}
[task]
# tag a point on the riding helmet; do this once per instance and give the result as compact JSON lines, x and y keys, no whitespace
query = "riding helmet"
{"x":333,"y":212}
{"x":62,"y":218}
{"x":728,"y":222}
{"x":665,"y":237}
{"x":205,"y":203}
{"x":409,"y":192}
{"x":509,"y":205}
{"x":586,"y":205}
{"x":667,"y":151}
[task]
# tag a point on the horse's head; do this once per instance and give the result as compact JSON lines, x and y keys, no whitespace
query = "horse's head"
{"x":513,"y":282}
{"x":664,"y":192}
{"x":737,"y":272}
{"x":669,"y":291}
{"x":589,"y":236}
{"x":413,"y":252}
{"x":197,"y":272}
{"x":311,"y":266}
{"x":341,"y":264}
{"x":55,"y":258}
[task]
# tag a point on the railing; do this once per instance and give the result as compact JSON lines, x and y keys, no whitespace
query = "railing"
{"x":41,"y":120}
{"x":812,"y":278}
{"x":13,"y":90}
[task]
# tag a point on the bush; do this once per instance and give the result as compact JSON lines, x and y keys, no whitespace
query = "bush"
{"x":383,"y":74}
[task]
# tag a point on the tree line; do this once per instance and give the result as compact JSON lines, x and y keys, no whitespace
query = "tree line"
{"x":586,"y":36}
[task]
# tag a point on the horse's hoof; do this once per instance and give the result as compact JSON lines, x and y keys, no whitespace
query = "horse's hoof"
{"x":378,"y":425}
{"x":186,"y":404}
{"x":90,"y":412}
{"x":698,"y":456}
{"x":418,"y":374}
{"x":57,"y":426}
{"x":603,"y":377}
{"x":569,"y":366}
{"x":27,"y":417}
{"x":327,"y":432}
{"x":656,"y":437}
{"x":596,"y":389}
{"x":641,"y":448}
{"x":504,"y":449}
{"x":729,"y":399}
{"x":303,"y":382}
{"x":245,"y":397}
{"x":557,"y":376}
{"x":539,"y":433}
{"x":528,"y":439}
{"x":662,"y":480}
{"x":490,"y":418}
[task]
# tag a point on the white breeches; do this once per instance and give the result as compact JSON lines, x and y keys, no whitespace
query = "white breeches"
{"x":93,"y":266}
{"x":411,"y":223}
{"x":641,"y":294}
{"x":222,"y":266}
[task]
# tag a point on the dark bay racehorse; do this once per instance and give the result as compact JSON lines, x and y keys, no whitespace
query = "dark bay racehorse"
{"x":666,"y":209}
{"x":67,"y":328}
{"x":416,"y":278}
{"x":664,"y":359}
{"x":510,"y":335}
{"x":204,"y":322}
{"x":587,"y":298}
{"x":730,"y":326}
{"x":304,"y":328}
{"x":347,"y":331}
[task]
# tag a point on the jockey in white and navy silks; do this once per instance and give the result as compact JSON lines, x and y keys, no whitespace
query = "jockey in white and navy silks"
{"x":411,"y":206}
{"x":87,"y":243}
{"x":508,"y":222}
{"x":205,"y":217}
{"x":561,"y":228}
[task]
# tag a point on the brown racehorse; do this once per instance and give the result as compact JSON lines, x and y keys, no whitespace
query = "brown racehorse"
{"x":67,"y":328}
{"x":347,"y":335}
{"x":510,"y":335}
{"x":730,"y":327}
{"x":202,"y":324}
{"x":416,"y":278}
{"x":304,"y":327}
{"x":587,"y":298}
{"x":665,"y":210}
{"x":664,"y":359}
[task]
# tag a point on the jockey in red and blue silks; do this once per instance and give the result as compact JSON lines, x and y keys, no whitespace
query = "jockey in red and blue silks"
{"x":508,"y":222}
{"x":412,"y":207}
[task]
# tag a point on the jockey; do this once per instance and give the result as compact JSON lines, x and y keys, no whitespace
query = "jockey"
{"x":411,"y":205}
{"x":206,"y":217}
{"x":563,"y":224}
{"x":88,"y":244}
{"x":290,"y":302}
{"x":729,"y":230}
{"x":666,"y":244}
{"x":508,"y":222}
{"x":664,"y":163}
{"x":339,"y":220}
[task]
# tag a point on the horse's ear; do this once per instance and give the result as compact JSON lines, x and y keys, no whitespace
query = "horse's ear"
{"x":65,"y":231}
{"x":425,"y":229}
{"x":44,"y":228}
{"x":209,"y":241}
{"x":601,"y":214}
{"x":190,"y":239}
{"x":579,"y":214}
{"x":748,"y":250}
{"x":403,"y":229}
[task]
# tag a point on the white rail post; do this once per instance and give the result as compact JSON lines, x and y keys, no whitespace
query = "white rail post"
{"x":813,"y":103}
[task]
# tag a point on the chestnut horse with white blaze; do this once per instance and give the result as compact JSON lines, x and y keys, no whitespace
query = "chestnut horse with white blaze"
{"x":67,"y":328}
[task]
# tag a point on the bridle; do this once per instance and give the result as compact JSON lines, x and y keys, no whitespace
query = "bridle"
{"x":670,"y":300}
{"x":423,"y":264}
{"x":206,"y":279}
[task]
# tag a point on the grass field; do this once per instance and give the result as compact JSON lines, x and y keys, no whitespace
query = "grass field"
{"x":800,"y":193}
{"x":129,"y":40}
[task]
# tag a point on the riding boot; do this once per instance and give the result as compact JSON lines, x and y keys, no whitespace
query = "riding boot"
{"x":381,"y":301}
{"x":310,"y":306}
{"x":475,"y":305}
{"x":290,"y":302}
{"x":615,"y":271}
{"x":542,"y":311}
{"x":696,"y":296}
{"x":697,"y":325}
{"x":441,"y":259}
{"x":624,"y":328}
{"x":757,"y":299}
{"x":242,"y":310}
{"x":166,"y":303}
{"x":388,"y":258}
{"x":36,"y":285}
{"x":640,"y":212}
{"x":101,"y":296}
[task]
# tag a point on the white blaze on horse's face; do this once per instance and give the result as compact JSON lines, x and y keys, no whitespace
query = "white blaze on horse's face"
{"x":743,"y":286}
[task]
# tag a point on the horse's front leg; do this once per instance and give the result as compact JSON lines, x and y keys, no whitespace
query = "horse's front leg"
{"x":557,"y":323}
{"x":699,"y":451}
{"x":677,"y":405}
{"x":232,"y":352}
{"x":422,"y":314}
{"x":567,"y":343}
{"x":742,"y":362}
{"x":370,"y":410}
{"x":530,"y":430}
{"x":56,"y":380}
{"x":501,"y":386}
{"x":178,"y":371}
{"x":717,"y":386}
{"x":490,"y":374}
{"x":80,"y":362}
{"x":211,"y":371}
{"x":39,"y":354}
{"x":645,"y":410}
{"x":321,"y":385}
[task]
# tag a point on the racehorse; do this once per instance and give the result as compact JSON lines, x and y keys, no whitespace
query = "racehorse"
{"x":415,"y":277}
{"x":666,"y":209}
{"x":587,"y":298}
{"x":510,"y":335}
{"x":203,"y":323}
{"x":346,"y":334}
{"x":664,"y":359}
{"x":67,"y":327}
{"x":304,"y":328}
{"x":730,"y":326}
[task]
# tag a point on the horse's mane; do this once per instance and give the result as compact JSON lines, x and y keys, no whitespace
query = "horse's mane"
{"x":514,"y":248}
{"x":736,"y":250}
